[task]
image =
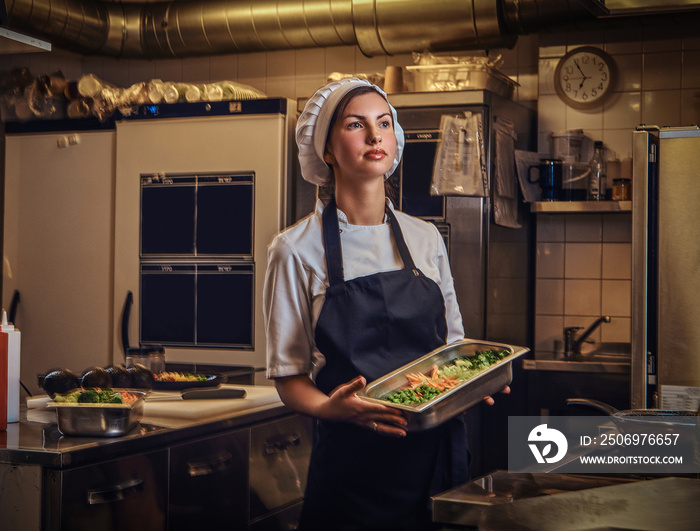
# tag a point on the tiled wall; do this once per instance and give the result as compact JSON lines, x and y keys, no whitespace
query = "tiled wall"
{"x":583,"y":261}
{"x":582,"y":272}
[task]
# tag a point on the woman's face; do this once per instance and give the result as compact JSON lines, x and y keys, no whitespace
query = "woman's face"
{"x":362,"y":143}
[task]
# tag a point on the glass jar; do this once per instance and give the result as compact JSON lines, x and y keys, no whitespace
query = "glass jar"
{"x":135,"y":356}
{"x":157,"y":361}
{"x":622,"y":190}
{"x":150,"y":356}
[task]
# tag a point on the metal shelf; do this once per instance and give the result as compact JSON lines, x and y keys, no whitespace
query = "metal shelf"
{"x":567,"y":207}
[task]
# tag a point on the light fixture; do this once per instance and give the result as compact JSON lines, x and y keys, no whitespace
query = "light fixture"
{"x":12,"y":42}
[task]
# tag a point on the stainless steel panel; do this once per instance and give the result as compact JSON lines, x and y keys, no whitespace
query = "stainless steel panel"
{"x":208,"y":483}
{"x":679,"y":259}
{"x":665,"y":262}
{"x":124,"y":494}
{"x":279,"y":460}
{"x":642,"y":143}
{"x":285,"y":519}
{"x":453,"y":401}
{"x":470,"y":504}
{"x":560,"y":502}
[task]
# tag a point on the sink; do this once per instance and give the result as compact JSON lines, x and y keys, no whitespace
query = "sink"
{"x":604,"y":353}
{"x":601,"y":358}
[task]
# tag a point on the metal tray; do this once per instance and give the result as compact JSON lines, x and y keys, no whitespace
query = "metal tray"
{"x":454,"y":401}
{"x":98,"y":420}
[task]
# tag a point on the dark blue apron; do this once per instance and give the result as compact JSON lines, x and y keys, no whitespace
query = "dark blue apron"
{"x":369,"y":326}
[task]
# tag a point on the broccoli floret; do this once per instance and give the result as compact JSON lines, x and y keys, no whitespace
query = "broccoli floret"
{"x":89,"y":397}
{"x":108,"y":396}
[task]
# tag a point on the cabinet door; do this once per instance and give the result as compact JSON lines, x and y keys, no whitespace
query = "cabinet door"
{"x":279,"y":462}
{"x":124,"y":494}
{"x":209,"y":483}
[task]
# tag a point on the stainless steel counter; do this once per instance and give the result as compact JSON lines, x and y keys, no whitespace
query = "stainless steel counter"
{"x":558,"y":502}
{"x":189,"y":464}
{"x":40,"y":442}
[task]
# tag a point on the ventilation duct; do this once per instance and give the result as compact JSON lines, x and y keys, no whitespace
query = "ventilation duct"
{"x":379,"y":27}
{"x":196,"y":28}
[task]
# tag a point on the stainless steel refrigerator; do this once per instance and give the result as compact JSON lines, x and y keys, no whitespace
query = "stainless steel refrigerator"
{"x":666,"y":268}
{"x":490,"y":261}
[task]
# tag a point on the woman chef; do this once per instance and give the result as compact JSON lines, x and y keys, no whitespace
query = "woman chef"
{"x":352,"y":292}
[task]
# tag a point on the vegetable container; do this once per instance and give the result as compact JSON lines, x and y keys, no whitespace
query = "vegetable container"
{"x":451,"y":402}
{"x":98,"y":420}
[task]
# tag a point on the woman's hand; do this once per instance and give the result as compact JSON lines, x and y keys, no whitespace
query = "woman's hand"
{"x":345,"y":405}
{"x":342,"y":405}
{"x":490,"y":401}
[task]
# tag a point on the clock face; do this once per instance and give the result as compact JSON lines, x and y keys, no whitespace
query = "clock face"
{"x":585,"y":77}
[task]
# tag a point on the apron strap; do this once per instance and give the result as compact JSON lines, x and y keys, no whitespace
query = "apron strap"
{"x":400,"y":242}
{"x":331,"y":244}
{"x":334,"y":252}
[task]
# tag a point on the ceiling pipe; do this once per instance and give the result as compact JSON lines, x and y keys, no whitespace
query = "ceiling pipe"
{"x":378,"y":27}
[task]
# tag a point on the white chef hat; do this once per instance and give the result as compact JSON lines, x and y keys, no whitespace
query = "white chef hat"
{"x":312,"y":129}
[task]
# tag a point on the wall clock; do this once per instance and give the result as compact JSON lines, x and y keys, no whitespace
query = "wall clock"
{"x":585,"y":77}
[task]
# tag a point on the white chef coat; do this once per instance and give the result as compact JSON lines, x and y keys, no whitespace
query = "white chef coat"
{"x":296,"y":281}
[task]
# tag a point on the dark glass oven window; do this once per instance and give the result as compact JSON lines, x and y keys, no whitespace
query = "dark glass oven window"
{"x":167,"y":219}
{"x":225,"y":305}
{"x":167,"y":304}
{"x":225,"y":219}
{"x":416,"y":177}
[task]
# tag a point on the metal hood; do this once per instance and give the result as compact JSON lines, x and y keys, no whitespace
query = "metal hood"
{"x":379,"y":27}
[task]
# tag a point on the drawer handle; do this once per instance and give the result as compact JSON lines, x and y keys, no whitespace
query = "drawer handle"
{"x":281,"y":443}
{"x":116,"y":493}
{"x":219,"y":463}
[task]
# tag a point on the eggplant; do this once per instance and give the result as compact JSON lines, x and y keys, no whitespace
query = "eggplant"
{"x":96,"y":377}
{"x":141,"y":377}
{"x":120,"y":376}
{"x":60,"y":381}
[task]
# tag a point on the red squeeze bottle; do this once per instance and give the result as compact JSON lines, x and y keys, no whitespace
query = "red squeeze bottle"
{"x":3,"y":382}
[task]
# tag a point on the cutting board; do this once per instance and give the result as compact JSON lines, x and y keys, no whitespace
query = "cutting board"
{"x":197,"y":410}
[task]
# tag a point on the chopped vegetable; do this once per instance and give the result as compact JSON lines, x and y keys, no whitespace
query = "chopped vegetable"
{"x":179,"y":377}
{"x":95,"y":396}
{"x":107,"y":396}
{"x":89,"y":397}
{"x":423,"y":387}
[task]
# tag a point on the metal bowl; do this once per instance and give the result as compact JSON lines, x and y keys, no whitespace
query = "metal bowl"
{"x":98,"y":420}
{"x":454,"y":401}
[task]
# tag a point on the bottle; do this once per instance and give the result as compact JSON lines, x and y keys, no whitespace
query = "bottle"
{"x":596,"y":182}
{"x":10,"y":340}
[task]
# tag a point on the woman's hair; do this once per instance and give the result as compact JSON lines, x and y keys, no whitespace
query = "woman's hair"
{"x":339,"y":110}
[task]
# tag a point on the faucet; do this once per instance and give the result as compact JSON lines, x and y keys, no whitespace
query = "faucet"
{"x":572,"y":344}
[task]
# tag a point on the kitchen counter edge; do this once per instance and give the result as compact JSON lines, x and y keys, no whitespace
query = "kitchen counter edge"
{"x":37,"y":447}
